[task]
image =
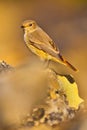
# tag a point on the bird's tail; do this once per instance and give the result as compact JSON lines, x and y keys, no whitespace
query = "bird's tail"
{"x":66,"y":62}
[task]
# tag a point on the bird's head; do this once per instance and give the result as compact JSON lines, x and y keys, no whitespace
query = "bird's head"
{"x":29,"y":25}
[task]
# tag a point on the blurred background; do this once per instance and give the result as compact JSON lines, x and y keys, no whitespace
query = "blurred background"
{"x":65,"y":21}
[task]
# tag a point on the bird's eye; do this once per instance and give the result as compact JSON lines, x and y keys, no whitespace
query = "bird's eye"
{"x":30,"y":24}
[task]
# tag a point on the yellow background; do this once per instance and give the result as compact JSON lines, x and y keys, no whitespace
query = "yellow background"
{"x":64,"y":20}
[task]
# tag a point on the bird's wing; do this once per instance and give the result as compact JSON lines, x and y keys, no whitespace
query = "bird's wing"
{"x":42,"y":41}
{"x":47,"y":40}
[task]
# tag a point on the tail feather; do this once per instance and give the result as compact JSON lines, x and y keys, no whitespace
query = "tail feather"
{"x":66,"y":62}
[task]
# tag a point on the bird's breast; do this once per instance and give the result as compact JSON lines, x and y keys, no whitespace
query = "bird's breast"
{"x":26,"y":37}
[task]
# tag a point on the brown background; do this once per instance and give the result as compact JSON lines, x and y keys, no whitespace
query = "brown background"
{"x":64,"y":20}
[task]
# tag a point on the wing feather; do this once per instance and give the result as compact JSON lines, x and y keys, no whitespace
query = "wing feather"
{"x":42,"y":41}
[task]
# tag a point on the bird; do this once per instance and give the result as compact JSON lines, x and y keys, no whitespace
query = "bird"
{"x":41,"y":44}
